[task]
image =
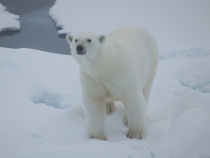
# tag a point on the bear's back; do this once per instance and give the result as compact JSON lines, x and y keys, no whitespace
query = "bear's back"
{"x":142,"y":45}
{"x":137,"y":39}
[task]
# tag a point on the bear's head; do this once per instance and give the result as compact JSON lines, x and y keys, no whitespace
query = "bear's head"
{"x":85,"y":44}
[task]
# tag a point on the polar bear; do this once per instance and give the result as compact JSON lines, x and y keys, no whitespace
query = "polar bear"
{"x":119,"y":67}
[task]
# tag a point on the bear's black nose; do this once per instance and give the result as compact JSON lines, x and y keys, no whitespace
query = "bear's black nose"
{"x":80,"y":48}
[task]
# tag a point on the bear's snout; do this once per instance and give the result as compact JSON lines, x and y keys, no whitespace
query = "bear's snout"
{"x":80,"y":49}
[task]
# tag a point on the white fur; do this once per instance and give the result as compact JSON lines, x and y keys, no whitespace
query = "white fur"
{"x":121,"y":67}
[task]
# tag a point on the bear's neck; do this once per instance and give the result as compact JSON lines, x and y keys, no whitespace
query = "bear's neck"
{"x":102,"y":63}
{"x":94,"y":67}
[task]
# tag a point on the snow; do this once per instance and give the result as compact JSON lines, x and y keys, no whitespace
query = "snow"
{"x":8,"y":21}
{"x":41,"y":112}
{"x":180,"y":24}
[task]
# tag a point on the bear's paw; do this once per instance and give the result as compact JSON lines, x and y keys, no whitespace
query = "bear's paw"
{"x":137,"y":133}
{"x":97,"y":135}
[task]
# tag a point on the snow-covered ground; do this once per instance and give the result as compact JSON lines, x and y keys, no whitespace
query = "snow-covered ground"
{"x":8,"y":21}
{"x":41,"y":113}
{"x":180,"y":24}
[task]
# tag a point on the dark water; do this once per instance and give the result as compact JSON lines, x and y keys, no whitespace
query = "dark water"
{"x":38,"y":31}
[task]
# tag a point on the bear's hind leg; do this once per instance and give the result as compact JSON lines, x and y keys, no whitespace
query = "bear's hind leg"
{"x":136,"y":117}
{"x":110,"y":106}
{"x":148,"y":86}
{"x":125,"y":120}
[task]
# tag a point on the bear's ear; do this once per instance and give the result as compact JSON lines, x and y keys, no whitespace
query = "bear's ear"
{"x":102,"y":38}
{"x":69,"y":38}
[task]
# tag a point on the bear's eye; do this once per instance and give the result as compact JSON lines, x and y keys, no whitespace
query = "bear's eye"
{"x":76,"y":40}
{"x":89,"y":40}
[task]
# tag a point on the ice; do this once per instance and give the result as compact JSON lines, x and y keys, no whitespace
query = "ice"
{"x":194,"y":52}
{"x":189,"y":128}
{"x":41,"y":113}
{"x":197,"y":78}
{"x":175,"y":24}
{"x":8,"y":21}
{"x":47,"y":98}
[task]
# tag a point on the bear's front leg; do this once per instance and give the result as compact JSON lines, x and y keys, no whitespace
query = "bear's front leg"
{"x":95,"y":111}
{"x":94,"y":95}
{"x":136,"y":112}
